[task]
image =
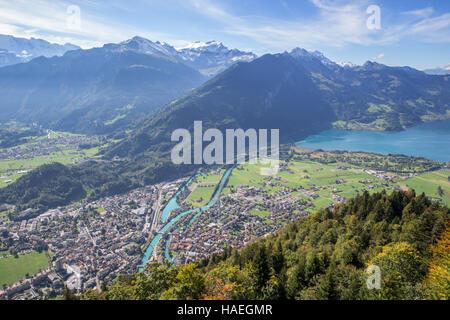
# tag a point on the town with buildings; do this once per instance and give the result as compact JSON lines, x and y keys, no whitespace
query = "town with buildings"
{"x":87,"y":244}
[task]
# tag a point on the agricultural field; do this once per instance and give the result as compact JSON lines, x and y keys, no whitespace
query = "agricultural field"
{"x":260,"y":212}
{"x":328,"y":183}
{"x":59,"y":147}
{"x":435,"y":184}
{"x":312,"y":176}
{"x":399,"y":164}
{"x":202,"y":189}
{"x":246,"y":174}
{"x":14,"y":269}
{"x":4,"y":219}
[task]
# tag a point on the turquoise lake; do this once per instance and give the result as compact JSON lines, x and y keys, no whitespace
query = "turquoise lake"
{"x":430,"y":140}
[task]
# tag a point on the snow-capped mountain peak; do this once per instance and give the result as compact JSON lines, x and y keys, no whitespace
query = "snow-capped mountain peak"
{"x":300,"y":52}
{"x":15,"y":50}
{"x":212,"y":57}
{"x":144,"y":46}
{"x":347,"y":64}
{"x":311,"y":55}
{"x":438,"y":71}
{"x":303,"y":53}
{"x":207,"y":57}
{"x":198,"y":45}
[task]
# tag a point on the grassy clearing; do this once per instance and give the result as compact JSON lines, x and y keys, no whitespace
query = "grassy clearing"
{"x":200,"y":196}
{"x":260,"y":213}
{"x":110,"y":122}
{"x":429,"y":183}
{"x":14,"y":269}
{"x":327,"y":179}
{"x":100,"y":210}
{"x":12,"y":167}
{"x":211,"y":177}
{"x":204,"y":188}
{"x":247,"y":174}
{"x":9,"y":168}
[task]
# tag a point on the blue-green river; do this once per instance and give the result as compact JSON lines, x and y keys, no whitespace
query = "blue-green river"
{"x":172,"y":205}
{"x":429,"y":140}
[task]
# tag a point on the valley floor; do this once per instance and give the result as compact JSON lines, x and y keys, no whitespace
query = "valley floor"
{"x":91,"y":242}
{"x":62,"y":147}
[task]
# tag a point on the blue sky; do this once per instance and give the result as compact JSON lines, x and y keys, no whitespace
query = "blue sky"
{"x":412,"y":32}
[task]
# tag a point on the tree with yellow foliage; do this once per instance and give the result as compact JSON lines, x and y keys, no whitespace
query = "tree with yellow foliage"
{"x":437,"y":281}
{"x":402,"y":271}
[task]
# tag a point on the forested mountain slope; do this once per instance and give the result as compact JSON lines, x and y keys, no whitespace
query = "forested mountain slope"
{"x":299,"y":93}
{"x":323,"y":256}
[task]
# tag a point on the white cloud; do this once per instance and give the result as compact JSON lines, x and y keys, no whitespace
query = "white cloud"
{"x":337,"y":23}
{"x":420,"y":13}
{"x":8,"y":29}
{"x":435,"y":29}
{"x":378,"y":57}
{"x":48,"y":20}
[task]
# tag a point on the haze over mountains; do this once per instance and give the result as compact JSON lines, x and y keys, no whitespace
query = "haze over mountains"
{"x":209,"y":58}
{"x":16,"y":50}
{"x":101,"y":89}
{"x":300,"y":93}
{"x":92,"y":90}
{"x":141,"y":91}
{"x":212,"y":57}
{"x":438,"y":71}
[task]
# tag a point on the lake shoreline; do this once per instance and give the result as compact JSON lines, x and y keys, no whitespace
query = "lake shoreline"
{"x":429,"y":140}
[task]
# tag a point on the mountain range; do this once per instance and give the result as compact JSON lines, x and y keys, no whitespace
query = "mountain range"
{"x":101,"y":89}
{"x":211,"y":57}
{"x":300,"y":93}
{"x":104,"y":90}
{"x":439,"y":71}
{"x":17,"y":50}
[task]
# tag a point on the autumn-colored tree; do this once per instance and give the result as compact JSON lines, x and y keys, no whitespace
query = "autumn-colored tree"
{"x":438,"y":278}
{"x":323,"y":256}
{"x":189,"y":284}
{"x":235,"y":282}
{"x":402,"y":271}
{"x":218,"y":290}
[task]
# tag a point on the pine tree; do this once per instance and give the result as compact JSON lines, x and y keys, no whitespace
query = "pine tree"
{"x":277,"y":259}
{"x":262,"y":268}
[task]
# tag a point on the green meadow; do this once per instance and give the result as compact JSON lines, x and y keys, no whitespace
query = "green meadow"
{"x":261,"y":213}
{"x":14,"y":269}
{"x":429,"y":183}
{"x":205,"y":185}
{"x":9,"y":167}
{"x":200,"y":196}
{"x":329,"y":179}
